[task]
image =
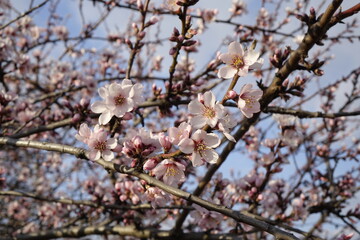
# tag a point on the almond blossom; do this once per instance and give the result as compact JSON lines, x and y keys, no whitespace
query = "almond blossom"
{"x":206,"y":219}
{"x":205,"y":110}
{"x":156,"y":197}
{"x":170,"y":171}
{"x":239,"y":61}
{"x":100,"y":146}
{"x":249,"y":100}
{"x":225,"y":125}
{"x":176,"y":134}
{"x":119,"y":98}
{"x":201,"y":145}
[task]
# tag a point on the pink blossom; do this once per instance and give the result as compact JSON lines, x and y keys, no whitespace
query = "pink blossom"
{"x":176,"y":134}
{"x":249,"y":100}
{"x":156,"y":196}
{"x":100,"y":146}
{"x":299,"y":208}
{"x":226,"y":123}
{"x":170,"y":171}
{"x":84,"y":133}
{"x":201,"y":145}
{"x":118,"y":100}
{"x":239,"y":61}
{"x":206,"y":219}
{"x":268,"y":158}
{"x":206,"y":111}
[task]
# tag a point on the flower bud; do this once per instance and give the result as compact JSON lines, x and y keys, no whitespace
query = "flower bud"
{"x":231,"y":94}
{"x":137,"y":141}
{"x":150,"y":164}
{"x":165,"y":142}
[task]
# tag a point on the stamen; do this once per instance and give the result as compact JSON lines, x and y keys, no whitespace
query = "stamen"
{"x":209,"y":112}
{"x":237,"y":62}
{"x":119,"y":100}
{"x":101,"y":146}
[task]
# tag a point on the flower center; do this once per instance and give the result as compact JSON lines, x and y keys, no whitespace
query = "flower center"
{"x":237,"y":62}
{"x":209,"y":112}
{"x":119,"y":100}
{"x":200,"y":148}
{"x":170,"y":171}
{"x":101,"y":146}
{"x":250,"y":100}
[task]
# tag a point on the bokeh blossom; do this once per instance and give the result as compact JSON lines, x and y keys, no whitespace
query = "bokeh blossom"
{"x":206,"y":219}
{"x":239,"y":61}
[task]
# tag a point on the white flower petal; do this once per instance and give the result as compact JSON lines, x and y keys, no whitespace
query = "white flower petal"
{"x":236,"y":48}
{"x":98,"y":107}
{"x":209,"y":99}
{"x":227,"y":58}
{"x":187,"y":146}
{"x":212,"y":140}
{"x":103,"y":92}
{"x":198,"y":121}
{"x":211,"y":156}
{"x":105,"y":117}
{"x":227,"y":72}
{"x":196,"y":159}
{"x":107,"y":155}
{"x":111,"y":143}
{"x":251,"y":57}
{"x":257,"y":65}
{"x":195,"y":107}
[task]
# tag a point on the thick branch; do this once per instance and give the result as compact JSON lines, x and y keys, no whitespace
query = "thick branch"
{"x":307,"y":114}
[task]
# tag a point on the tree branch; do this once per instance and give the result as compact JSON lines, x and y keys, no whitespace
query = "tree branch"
{"x":81,"y":153}
{"x":307,"y":114}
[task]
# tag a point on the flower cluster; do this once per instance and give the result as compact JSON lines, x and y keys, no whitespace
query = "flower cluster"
{"x":206,"y":111}
{"x":118,"y":99}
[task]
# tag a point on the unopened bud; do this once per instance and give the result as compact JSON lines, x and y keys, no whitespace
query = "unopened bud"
{"x":189,"y":43}
{"x":285,"y":83}
{"x":128,"y":116}
{"x":176,"y":32}
{"x":141,"y":34}
{"x":172,"y":51}
{"x":137,"y":141}
{"x":231,"y":94}
{"x":153,"y":20}
{"x":150,"y":164}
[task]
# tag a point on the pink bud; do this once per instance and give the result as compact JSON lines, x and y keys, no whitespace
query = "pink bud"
{"x":128,"y":116}
{"x":141,"y":35}
{"x":137,"y":141}
{"x":150,"y":164}
{"x":76,"y":118}
{"x":231,"y":94}
{"x":172,"y":51}
{"x":285,"y":83}
{"x":165,"y":142}
{"x":153,"y":20}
